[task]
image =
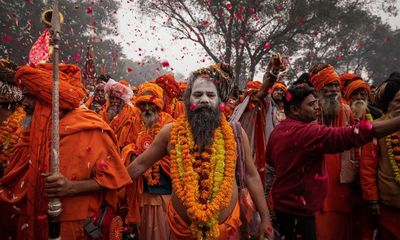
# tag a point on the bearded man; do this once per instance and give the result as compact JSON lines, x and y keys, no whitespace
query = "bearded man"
{"x":337,"y":217}
{"x":149,"y":195}
{"x":11,"y":112}
{"x":120,"y":112}
{"x":202,"y":150}
{"x":90,"y":167}
{"x":98,"y":101}
{"x":356,"y":93}
{"x":385,"y":175}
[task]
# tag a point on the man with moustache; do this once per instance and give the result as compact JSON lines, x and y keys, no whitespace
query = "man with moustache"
{"x":90,"y":167}
{"x":296,"y":150}
{"x":336,"y":218}
{"x":120,"y":112}
{"x":149,"y":195}
{"x":98,"y":101}
{"x":202,"y":150}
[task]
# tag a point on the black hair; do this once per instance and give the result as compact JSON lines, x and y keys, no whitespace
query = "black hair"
{"x":103,"y":78}
{"x":303,"y":78}
{"x":295,"y":95}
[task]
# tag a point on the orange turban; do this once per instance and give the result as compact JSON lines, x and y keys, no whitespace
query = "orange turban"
{"x":346,"y":77}
{"x":253,"y":85}
{"x":39,"y":81}
{"x":354,"y":85}
{"x":280,"y":85}
{"x":156,"y":96}
{"x":323,"y":77}
{"x":169,"y":85}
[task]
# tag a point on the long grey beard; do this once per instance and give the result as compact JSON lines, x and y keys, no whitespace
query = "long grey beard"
{"x":149,"y":118}
{"x":359,"y":108}
{"x":330,"y":105}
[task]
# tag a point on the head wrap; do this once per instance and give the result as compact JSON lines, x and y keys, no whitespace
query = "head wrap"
{"x":324,"y":77}
{"x":345,"y":78}
{"x":9,"y":92}
{"x":387,"y":90}
{"x":169,"y":85}
{"x":222,"y":76}
{"x":119,"y":90}
{"x":156,"y":96}
{"x":253,"y":85}
{"x":39,"y":81}
{"x":279,"y":85}
{"x":354,"y":85}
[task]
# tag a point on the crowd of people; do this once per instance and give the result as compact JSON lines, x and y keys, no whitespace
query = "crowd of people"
{"x":201,"y":159}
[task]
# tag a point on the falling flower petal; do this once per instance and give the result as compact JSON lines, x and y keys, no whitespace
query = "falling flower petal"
{"x":288,"y":96}
{"x":165,"y":64}
{"x":89,"y":10}
{"x":192,"y":106}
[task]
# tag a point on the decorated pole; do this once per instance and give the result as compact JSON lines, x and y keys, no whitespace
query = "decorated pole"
{"x":54,"y":207}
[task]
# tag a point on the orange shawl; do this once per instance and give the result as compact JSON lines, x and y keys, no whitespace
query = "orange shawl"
{"x":122,"y":124}
{"x":134,"y":191}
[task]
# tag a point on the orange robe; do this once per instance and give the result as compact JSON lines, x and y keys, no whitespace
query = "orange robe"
{"x":122,"y":124}
{"x":135,"y":190}
{"x":335,"y":220}
{"x":88,"y":150}
{"x":181,"y":230}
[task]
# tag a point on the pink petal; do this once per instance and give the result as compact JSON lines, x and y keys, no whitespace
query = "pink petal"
{"x":288,"y":96}
{"x":267,"y":45}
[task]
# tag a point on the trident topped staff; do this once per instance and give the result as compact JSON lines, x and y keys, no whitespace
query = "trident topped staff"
{"x":54,"y":207}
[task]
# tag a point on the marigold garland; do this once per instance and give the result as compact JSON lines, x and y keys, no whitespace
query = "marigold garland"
{"x":9,"y":135}
{"x":393,"y":151}
{"x":203,"y":181}
{"x":152,"y":175}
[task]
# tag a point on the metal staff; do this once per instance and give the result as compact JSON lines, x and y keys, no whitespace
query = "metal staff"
{"x":54,"y":207}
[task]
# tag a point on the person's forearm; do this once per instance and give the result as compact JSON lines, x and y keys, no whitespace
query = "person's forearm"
{"x":84,"y":186}
{"x":135,"y":169}
{"x":383,"y":128}
{"x":256,"y":191}
{"x":268,"y":82}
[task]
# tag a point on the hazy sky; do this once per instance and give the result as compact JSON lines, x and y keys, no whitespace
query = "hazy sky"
{"x":143,"y":36}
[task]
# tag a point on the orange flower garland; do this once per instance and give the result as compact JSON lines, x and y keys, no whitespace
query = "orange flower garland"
{"x":203,"y":181}
{"x":393,"y":150}
{"x":152,"y":175}
{"x":9,"y":135}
